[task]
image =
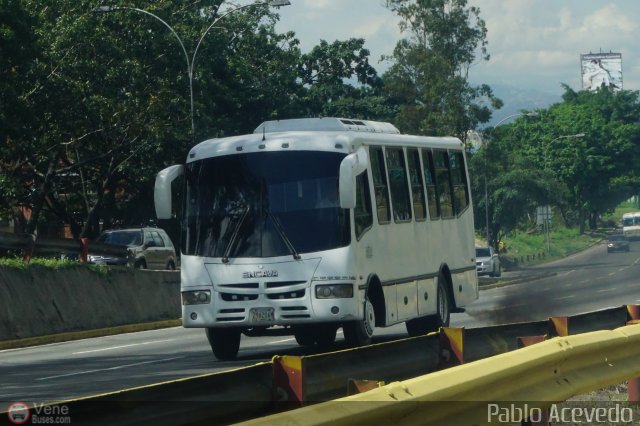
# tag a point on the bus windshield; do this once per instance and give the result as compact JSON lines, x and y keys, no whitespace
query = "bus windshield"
{"x":264,"y":205}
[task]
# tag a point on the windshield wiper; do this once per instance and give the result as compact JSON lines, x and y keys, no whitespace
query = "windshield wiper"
{"x":283,"y":235}
{"x":234,"y":236}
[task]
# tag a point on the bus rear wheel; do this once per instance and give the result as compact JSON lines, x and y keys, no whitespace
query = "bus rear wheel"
{"x":424,"y":325}
{"x":224,"y":342}
{"x":358,"y":333}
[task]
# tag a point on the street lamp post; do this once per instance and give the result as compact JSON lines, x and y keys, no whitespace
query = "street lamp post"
{"x":191,"y":62}
{"x":486,"y":192}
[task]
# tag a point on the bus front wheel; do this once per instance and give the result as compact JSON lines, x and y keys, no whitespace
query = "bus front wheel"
{"x":358,"y":333}
{"x":224,"y":342}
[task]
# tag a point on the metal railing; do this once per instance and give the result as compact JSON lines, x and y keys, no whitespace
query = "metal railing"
{"x":290,"y":382}
{"x":29,"y":246}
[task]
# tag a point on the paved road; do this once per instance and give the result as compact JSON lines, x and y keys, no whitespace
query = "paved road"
{"x":585,"y":282}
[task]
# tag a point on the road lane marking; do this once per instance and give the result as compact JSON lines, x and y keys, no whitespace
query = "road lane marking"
{"x":604,"y":290}
{"x":633,"y":285}
{"x":281,"y":341}
{"x":292,"y":339}
{"x":566,"y":297}
{"x":567,"y":273}
{"x":568,"y":285}
{"x":120,"y":347}
{"x":612,"y":273}
{"x":119,"y":367}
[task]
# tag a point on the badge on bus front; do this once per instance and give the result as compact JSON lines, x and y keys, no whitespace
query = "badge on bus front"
{"x":260,"y":274}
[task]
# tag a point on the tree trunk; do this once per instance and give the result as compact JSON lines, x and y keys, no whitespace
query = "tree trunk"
{"x":40,"y":196}
{"x":593,"y":221}
{"x":582,"y":218}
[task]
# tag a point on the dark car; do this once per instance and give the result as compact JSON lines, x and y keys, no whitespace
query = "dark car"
{"x":149,"y":248}
{"x":617,"y":243}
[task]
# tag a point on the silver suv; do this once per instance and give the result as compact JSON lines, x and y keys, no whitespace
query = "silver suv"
{"x":149,"y":248}
{"x":487,"y":262}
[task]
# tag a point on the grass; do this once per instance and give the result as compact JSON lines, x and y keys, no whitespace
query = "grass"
{"x":562,"y":242}
{"x":532,"y":247}
{"x":18,"y":263}
{"x":616,"y":216}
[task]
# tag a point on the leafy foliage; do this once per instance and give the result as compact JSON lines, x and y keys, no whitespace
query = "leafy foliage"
{"x":428,"y":78}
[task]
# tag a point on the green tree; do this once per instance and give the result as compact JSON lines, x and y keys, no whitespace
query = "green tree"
{"x":580,"y":156}
{"x":428,"y":78}
{"x":18,"y":51}
{"x":106,"y":98}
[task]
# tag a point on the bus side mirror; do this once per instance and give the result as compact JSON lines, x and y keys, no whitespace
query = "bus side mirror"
{"x":162,"y":190}
{"x":352,"y":165}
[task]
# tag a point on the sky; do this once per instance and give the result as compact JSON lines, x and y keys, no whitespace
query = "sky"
{"x":534,"y":44}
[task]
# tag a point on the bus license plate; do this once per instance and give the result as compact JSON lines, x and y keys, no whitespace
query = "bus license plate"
{"x":262,"y":315}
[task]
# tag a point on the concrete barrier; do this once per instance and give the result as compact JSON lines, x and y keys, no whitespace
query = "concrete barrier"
{"x":39,"y":301}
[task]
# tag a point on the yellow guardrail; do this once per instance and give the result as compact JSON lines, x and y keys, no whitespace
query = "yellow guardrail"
{"x":531,"y":378}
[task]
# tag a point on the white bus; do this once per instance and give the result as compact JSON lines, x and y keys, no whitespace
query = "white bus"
{"x":309,"y":225}
{"x":631,"y":225}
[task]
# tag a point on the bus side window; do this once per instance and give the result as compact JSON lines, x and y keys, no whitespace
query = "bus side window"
{"x":379,"y":175}
{"x":443,"y":181}
{"x":363,"y":215}
{"x":430,"y":180}
{"x":417,"y":187}
{"x":459,"y":179}
{"x":398,"y":185}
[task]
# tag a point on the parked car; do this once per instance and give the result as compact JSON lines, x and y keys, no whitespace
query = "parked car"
{"x":149,"y":248}
{"x":487,"y":262}
{"x":617,"y":242}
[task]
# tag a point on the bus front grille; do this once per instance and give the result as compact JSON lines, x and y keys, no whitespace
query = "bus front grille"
{"x":299,"y":294}
{"x":231,"y":297}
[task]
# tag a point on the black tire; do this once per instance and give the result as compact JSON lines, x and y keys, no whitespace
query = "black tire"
{"x":304,"y":336}
{"x":321,"y":335}
{"x":224,"y":342}
{"x":326,"y":335}
{"x":171,"y":266}
{"x":140,"y":264}
{"x":499,"y":272}
{"x":358,"y":333}
{"x":424,"y":325}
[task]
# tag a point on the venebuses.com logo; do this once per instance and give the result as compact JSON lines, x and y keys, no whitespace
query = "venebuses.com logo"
{"x":18,"y":413}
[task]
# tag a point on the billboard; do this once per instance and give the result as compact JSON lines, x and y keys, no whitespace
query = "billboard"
{"x":601,"y":69}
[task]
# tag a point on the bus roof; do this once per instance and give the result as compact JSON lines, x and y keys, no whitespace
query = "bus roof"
{"x":326,"y":125}
{"x":632,"y":214}
{"x":301,"y":135}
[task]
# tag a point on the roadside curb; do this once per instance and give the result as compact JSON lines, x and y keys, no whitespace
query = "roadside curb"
{"x":518,"y":280}
{"x":87,"y":334}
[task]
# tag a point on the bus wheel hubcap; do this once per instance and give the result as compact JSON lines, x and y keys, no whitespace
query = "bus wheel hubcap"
{"x":369,"y":318}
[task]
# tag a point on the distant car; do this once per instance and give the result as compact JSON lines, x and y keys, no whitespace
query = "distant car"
{"x":487,"y":262}
{"x":617,"y":242}
{"x":149,"y":248}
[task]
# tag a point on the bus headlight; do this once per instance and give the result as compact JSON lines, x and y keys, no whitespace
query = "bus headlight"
{"x":334,"y":291}
{"x":197,"y":297}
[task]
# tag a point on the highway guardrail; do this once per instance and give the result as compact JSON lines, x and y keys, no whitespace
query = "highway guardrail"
{"x":549,"y":369}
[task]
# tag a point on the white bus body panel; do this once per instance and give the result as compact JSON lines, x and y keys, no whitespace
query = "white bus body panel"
{"x":406,"y":257}
{"x":263,"y":283}
{"x":631,"y":230}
